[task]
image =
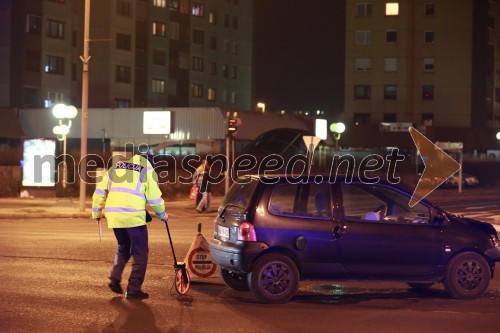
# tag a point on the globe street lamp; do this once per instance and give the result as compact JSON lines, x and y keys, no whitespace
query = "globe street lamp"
{"x":65,"y":114}
{"x":498,"y":137}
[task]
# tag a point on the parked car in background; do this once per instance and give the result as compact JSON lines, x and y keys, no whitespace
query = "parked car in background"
{"x":270,"y":233}
{"x":467,"y":180}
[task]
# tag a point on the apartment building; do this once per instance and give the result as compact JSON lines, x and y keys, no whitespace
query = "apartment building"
{"x":427,"y":62}
{"x":144,"y":53}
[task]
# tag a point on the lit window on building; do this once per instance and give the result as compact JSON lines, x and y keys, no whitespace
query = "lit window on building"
{"x":196,"y":90}
{"x":55,"y":29}
{"x":198,"y":9}
{"x":212,"y":95}
{"x":392,"y":8}
{"x":174,"y":5}
{"x":212,"y":18}
{"x":55,"y":65}
{"x":158,"y":86}
{"x":159,"y":29}
{"x":160,"y":3}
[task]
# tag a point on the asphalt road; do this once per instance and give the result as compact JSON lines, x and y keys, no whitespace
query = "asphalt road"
{"x":54,"y":273}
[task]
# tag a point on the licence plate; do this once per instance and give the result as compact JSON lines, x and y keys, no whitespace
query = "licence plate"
{"x":223,"y":232}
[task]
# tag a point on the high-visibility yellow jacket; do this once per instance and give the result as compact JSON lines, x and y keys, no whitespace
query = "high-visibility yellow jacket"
{"x":124,"y":192}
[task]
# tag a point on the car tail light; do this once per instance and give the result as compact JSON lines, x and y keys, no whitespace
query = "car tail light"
{"x":246,"y":232}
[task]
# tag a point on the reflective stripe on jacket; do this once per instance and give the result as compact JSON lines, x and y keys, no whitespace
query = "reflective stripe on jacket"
{"x":124,"y":192}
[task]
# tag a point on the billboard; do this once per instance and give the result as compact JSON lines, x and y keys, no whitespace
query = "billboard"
{"x":39,"y":162}
{"x":156,"y":122}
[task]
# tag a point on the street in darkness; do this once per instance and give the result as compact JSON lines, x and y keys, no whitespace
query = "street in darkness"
{"x":54,"y":275}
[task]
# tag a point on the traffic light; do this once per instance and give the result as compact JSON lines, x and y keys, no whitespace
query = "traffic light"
{"x":232,"y":125}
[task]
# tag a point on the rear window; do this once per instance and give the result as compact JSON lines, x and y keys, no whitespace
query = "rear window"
{"x":241,"y":192}
{"x":301,"y":200}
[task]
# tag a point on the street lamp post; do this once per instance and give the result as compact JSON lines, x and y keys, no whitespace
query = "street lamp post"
{"x":63,"y":112}
{"x":85,"y":98}
{"x":337,"y":129}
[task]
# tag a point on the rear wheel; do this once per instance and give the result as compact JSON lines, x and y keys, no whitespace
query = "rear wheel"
{"x":467,"y":275}
{"x":235,"y":280}
{"x":274,"y":278}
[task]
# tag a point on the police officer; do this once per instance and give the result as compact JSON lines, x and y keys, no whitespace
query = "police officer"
{"x":124,"y":192}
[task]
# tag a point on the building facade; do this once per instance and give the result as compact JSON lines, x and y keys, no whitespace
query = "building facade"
{"x":144,"y":53}
{"x":426,"y":62}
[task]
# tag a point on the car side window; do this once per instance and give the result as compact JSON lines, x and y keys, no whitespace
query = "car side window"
{"x":301,"y":200}
{"x":379,"y":203}
{"x":359,"y":204}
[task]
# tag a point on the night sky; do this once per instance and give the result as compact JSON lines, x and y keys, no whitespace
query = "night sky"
{"x":299,"y":54}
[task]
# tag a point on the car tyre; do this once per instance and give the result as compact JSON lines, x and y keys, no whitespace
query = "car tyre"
{"x":467,"y":276}
{"x":274,"y":278}
{"x":234,"y":280}
{"x":420,"y":286}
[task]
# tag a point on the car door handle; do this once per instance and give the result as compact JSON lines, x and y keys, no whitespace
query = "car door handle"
{"x":339,"y":231}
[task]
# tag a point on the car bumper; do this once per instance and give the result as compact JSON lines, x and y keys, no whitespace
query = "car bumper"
{"x":493,"y":253}
{"x":236,"y":257}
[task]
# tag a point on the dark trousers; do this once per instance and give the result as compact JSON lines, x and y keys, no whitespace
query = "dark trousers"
{"x":131,"y":242}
